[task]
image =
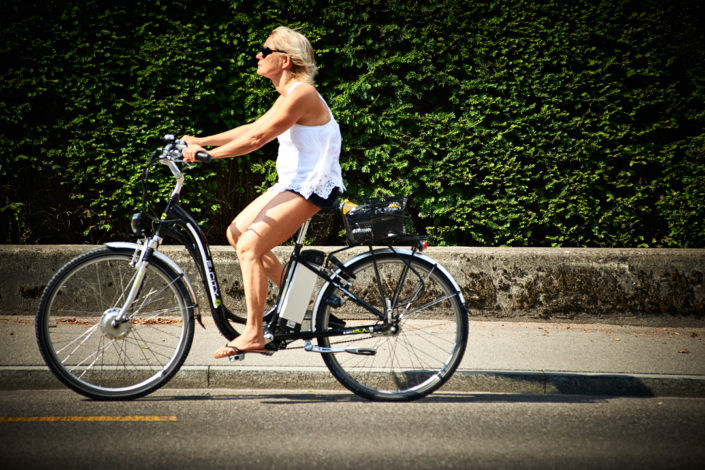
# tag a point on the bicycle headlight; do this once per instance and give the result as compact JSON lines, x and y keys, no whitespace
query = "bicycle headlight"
{"x":138,"y":224}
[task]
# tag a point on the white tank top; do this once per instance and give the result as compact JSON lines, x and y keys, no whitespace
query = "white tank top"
{"x":308,"y":158}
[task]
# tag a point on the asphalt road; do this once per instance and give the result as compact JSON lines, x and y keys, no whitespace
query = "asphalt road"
{"x":230,"y":429}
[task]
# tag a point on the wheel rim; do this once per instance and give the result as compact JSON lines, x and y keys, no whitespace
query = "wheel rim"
{"x":105,"y":359}
{"x":417,"y":358}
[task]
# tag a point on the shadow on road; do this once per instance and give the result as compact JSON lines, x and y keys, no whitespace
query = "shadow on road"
{"x":317,"y":397}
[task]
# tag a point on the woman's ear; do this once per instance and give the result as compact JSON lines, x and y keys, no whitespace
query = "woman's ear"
{"x":286,"y":63}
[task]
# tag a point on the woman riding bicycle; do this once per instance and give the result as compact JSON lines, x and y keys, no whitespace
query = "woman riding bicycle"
{"x":308,"y":169}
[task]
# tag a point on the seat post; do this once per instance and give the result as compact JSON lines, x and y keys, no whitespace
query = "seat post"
{"x":302,"y":232}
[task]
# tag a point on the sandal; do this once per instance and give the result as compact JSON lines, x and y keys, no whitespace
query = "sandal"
{"x":240,"y":352}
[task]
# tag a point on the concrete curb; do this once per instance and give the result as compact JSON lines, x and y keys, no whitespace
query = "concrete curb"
{"x":515,"y":382}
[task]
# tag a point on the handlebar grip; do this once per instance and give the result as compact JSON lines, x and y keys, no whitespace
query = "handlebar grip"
{"x":203,"y":157}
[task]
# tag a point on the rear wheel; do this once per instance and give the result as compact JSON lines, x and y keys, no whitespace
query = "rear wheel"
{"x":98,"y":357}
{"x":418,"y":350}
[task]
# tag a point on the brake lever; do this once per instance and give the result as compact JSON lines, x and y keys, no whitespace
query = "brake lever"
{"x":183,"y":162}
{"x":203,"y":157}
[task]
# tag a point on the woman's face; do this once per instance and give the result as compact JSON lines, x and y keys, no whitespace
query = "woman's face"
{"x":271,"y":65}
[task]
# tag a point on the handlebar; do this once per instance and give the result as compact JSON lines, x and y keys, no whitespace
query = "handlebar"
{"x":202,"y":157}
{"x":169,"y":155}
{"x":174,"y":148}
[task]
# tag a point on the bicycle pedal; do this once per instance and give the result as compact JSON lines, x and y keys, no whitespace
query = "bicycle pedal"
{"x":236,"y":357}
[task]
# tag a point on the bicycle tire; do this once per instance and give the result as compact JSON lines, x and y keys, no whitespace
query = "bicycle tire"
{"x":430,"y":340}
{"x":100,"y":361}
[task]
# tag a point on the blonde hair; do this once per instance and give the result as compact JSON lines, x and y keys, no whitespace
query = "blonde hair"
{"x":299,"y":49}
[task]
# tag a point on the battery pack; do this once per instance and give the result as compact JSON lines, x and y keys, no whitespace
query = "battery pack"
{"x":298,"y":294}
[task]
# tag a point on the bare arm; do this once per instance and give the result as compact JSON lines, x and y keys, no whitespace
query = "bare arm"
{"x":265,"y":129}
{"x":217,"y":140}
{"x":285,"y":112}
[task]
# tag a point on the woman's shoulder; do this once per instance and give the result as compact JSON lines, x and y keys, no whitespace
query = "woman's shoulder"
{"x":300,"y":89}
{"x":305,"y":101}
{"x":305,"y":95}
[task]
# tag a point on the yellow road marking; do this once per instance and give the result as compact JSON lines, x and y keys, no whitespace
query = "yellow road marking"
{"x":53,"y":419}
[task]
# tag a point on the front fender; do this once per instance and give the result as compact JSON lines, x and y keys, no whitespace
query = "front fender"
{"x":166,"y":260}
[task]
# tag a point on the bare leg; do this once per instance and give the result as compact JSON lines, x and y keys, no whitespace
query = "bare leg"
{"x":242,"y":222}
{"x":281,"y":214}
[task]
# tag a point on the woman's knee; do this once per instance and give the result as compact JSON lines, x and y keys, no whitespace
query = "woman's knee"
{"x":246,"y":246}
{"x":233,"y":235}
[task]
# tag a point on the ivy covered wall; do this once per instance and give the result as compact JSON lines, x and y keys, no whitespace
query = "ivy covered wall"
{"x":520,"y":123}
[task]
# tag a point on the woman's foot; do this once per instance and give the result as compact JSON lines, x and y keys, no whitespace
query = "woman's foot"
{"x":238,"y":347}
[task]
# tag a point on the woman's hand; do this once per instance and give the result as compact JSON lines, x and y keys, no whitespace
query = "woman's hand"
{"x":190,"y":140}
{"x":189,"y":153}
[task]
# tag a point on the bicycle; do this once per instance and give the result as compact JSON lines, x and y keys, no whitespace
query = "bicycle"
{"x":390,"y":324}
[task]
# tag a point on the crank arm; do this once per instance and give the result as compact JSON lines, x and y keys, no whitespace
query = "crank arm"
{"x":323,"y":350}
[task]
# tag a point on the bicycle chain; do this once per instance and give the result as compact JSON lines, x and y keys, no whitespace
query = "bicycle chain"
{"x":337,"y":342}
{"x":357,"y":338}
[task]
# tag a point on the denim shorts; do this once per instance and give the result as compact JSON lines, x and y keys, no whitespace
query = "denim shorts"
{"x":331,"y":202}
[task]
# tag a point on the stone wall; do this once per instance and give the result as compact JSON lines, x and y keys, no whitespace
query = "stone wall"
{"x":634,"y":286}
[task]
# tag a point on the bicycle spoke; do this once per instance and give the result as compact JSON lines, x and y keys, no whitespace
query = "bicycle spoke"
{"x":82,"y":338}
{"x":95,"y":357}
{"x":423,"y":341}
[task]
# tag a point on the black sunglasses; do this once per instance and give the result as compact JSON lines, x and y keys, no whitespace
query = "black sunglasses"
{"x":265,"y":50}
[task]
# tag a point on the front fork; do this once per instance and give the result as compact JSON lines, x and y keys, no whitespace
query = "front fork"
{"x":141,"y":263}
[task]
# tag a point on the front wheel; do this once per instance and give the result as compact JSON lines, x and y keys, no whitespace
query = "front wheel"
{"x":416,"y":351}
{"x":94,"y":355}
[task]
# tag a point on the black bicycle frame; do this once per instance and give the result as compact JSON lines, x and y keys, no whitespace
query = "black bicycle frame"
{"x":192,"y":237}
{"x":197,"y":245}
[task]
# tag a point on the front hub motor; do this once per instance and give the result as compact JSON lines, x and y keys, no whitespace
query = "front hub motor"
{"x":111,"y":326}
